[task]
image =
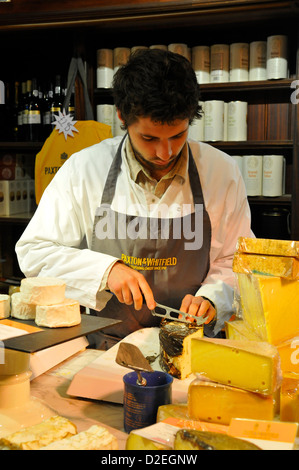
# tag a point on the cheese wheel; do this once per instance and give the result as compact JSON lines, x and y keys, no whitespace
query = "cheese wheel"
{"x":20,"y":308}
{"x":4,"y":306}
{"x":43,"y":290}
{"x":65,"y":314}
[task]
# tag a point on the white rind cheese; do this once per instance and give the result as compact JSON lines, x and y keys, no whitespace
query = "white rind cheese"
{"x":4,"y":306}
{"x":94,"y":438}
{"x":67,"y":313}
{"x":20,"y":308}
{"x":43,"y":290}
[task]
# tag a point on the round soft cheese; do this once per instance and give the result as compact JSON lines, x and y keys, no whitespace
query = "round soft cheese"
{"x":43,"y":290}
{"x":20,"y":308}
{"x":64,"y":314}
{"x":4,"y":306}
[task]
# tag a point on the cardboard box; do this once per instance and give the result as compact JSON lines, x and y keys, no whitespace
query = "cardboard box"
{"x":10,"y":197}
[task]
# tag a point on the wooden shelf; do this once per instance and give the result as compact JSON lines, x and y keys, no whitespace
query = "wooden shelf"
{"x":254,"y":145}
{"x":285,"y":199}
{"x":18,"y":146}
{"x":250,"y":86}
{"x":22,"y":218}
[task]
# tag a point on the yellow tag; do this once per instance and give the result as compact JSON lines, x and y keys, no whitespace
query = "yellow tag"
{"x":263,"y":430}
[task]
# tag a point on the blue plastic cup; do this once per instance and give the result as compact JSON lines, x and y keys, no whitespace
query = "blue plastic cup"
{"x":141,"y":402}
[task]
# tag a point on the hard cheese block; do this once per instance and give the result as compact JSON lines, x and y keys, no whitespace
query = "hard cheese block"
{"x":175,"y":347}
{"x":264,"y":246}
{"x":283,"y":266}
{"x":217,"y":403}
{"x":270,"y":306}
{"x":288,"y":350}
{"x":289,"y":398}
{"x":187,"y":439}
{"x":239,"y":330}
{"x":250,"y":365}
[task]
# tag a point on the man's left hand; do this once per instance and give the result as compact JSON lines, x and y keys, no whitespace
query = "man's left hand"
{"x":198,"y":307}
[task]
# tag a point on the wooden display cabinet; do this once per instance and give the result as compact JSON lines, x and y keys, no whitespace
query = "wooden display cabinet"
{"x":41,"y":36}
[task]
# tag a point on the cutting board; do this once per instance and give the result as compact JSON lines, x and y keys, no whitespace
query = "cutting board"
{"x":48,"y":337}
{"x":102,"y":379}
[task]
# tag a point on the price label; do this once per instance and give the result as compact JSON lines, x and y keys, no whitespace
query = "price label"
{"x":65,"y":123}
{"x":269,"y":435}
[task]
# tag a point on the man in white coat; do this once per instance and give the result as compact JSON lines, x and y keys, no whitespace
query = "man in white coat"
{"x":148,"y":217}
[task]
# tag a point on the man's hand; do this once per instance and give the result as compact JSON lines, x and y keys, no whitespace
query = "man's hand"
{"x":130,"y":286}
{"x":198,"y":307}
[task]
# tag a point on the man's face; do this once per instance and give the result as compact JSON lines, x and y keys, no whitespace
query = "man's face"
{"x":158,"y":146}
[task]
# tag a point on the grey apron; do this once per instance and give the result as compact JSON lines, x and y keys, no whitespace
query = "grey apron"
{"x":161,"y":249}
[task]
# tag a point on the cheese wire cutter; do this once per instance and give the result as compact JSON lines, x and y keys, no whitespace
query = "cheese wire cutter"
{"x":177,"y":315}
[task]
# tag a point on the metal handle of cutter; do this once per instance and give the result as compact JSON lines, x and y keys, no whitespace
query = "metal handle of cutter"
{"x":177,"y":315}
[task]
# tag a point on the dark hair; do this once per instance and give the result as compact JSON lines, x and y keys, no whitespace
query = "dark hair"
{"x":158,"y":84}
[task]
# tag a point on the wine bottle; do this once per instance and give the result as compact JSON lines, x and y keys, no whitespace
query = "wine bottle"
{"x":16,"y":130}
{"x":57,"y":104}
{"x":34,"y":114}
{"x":2,"y":109}
{"x":20,"y":111}
{"x":47,"y":103}
{"x":25,"y":110}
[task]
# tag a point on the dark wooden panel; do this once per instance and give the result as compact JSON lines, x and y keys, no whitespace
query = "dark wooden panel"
{"x":30,"y":13}
{"x":256,"y":120}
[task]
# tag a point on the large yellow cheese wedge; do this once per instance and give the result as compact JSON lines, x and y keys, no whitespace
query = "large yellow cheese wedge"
{"x":250,"y":365}
{"x":270,"y":306}
{"x":283,"y":266}
{"x":264,"y":246}
{"x":289,"y":398}
{"x":217,"y":403}
{"x":288,"y":350}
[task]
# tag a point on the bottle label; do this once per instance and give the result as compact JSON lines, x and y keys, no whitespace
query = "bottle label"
{"x":25,"y":116}
{"x":34,"y":117}
{"x":47,"y":118}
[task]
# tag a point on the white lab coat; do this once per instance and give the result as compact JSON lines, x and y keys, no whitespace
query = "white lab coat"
{"x":57,"y":240}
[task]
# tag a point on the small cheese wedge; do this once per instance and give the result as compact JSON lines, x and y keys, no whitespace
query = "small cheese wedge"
{"x":175,"y":347}
{"x":187,"y":439}
{"x":65,"y":314}
{"x":43,"y":290}
{"x":173,"y":410}
{"x":216,"y":403}
{"x":240,"y":330}
{"x":264,"y":246}
{"x":39,"y":435}
{"x":270,"y":306}
{"x":94,"y":438}
{"x":250,"y":365}
{"x":20,"y":308}
{"x":283,"y":266}
{"x":289,"y":398}
{"x":4,"y":306}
